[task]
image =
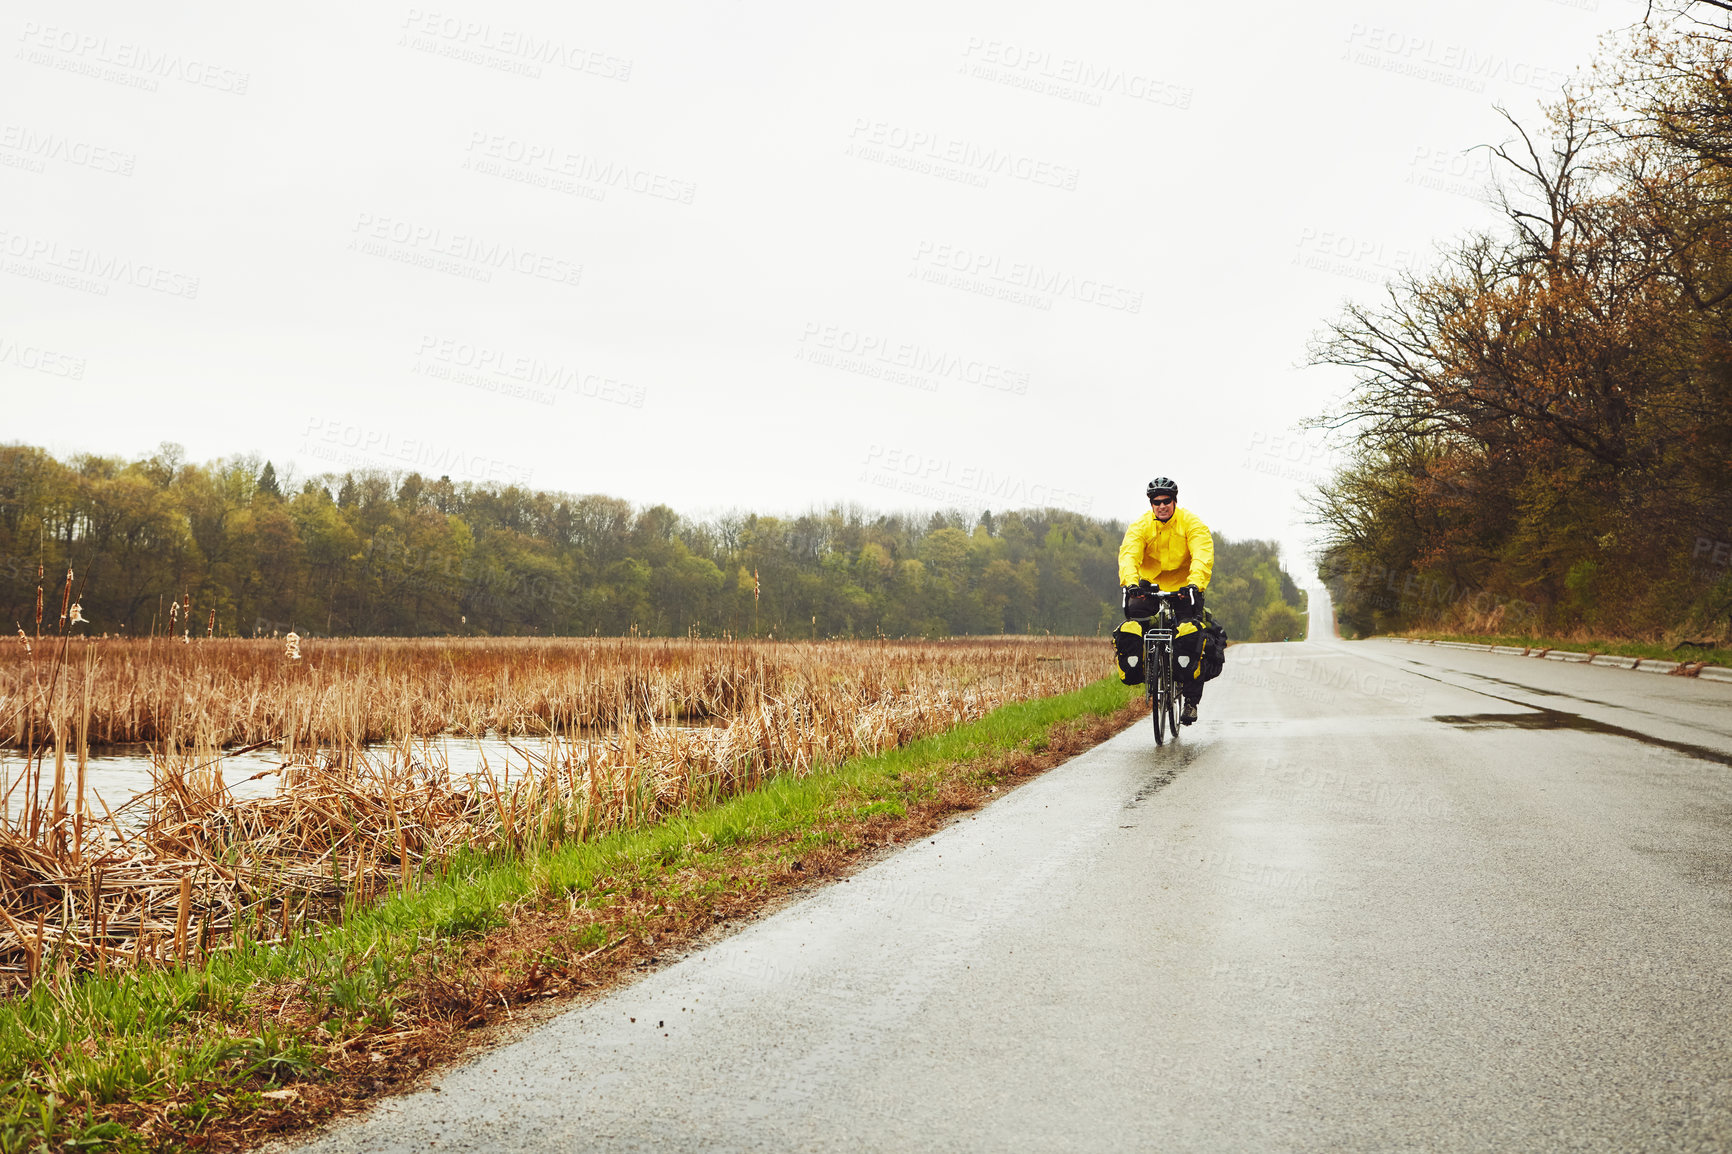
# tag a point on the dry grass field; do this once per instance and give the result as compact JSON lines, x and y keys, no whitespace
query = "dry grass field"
{"x":227,"y":692}
{"x":608,"y":734}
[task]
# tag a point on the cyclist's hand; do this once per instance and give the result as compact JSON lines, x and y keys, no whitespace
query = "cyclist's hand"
{"x":1145,"y":584}
{"x":1193,"y":596}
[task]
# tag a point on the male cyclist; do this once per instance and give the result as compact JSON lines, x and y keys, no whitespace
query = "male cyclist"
{"x":1169,"y":548}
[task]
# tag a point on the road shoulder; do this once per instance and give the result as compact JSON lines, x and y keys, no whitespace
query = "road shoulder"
{"x":680,"y":893}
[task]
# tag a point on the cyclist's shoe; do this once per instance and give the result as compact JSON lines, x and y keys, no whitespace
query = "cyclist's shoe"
{"x":1188,"y":714}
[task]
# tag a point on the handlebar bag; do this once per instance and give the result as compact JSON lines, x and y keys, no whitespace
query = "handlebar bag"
{"x":1141,"y":602}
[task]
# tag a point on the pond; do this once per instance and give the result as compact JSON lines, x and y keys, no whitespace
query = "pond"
{"x":118,"y":775}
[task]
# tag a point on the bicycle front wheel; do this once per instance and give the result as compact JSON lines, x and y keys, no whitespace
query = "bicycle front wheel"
{"x":1160,"y":686}
{"x":1171,"y":695}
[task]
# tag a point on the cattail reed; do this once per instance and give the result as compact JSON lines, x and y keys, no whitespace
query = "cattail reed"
{"x":605,"y":735}
{"x":236,"y":691}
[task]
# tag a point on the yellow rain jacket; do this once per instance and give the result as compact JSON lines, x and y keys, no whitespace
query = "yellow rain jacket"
{"x":1172,"y":553}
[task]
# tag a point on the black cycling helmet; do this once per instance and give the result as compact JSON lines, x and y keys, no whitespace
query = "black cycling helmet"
{"x":1163,"y":485}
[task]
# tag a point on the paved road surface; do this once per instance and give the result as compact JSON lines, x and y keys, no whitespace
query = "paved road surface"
{"x":1382,"y":897}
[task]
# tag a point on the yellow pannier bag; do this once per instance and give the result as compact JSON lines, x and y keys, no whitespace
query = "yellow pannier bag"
{"x":1128,"y":648}
{"x":1188,"y":641}
{"x":1199,"y":650}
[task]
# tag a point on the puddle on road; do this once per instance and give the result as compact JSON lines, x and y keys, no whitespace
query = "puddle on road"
{"x":1541,"y":718}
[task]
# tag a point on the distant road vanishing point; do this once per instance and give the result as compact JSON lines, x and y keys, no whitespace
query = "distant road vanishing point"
{"x":1381,"y":897}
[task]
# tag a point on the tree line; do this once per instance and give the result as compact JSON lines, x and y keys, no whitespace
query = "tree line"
{"x":166,"y":546}
{"x":1539,"y":437}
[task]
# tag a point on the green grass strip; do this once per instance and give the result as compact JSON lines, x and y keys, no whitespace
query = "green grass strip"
{"x":1655,"y":649}
{"x":184,"y":1035}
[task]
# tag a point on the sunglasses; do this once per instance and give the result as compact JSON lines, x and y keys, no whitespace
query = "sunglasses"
{"x":1163,"y":500}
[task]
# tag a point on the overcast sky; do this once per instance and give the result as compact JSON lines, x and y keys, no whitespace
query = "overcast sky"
{"x":739,"y":254}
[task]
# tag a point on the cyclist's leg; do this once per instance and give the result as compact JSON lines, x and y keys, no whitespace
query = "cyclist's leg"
{"x":1191,"y":688}
{"x":1192,"y":693}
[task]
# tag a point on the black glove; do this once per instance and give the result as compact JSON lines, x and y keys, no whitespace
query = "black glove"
{"x":1193,"y":596}
{"x":1145,"y":584}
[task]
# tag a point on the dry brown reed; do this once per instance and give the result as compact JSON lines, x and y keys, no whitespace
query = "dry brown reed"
{"x":227,"y":692}
{"x":622,"y":734}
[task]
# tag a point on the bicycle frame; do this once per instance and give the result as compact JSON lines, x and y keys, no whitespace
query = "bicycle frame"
{"x":1159,"y":681}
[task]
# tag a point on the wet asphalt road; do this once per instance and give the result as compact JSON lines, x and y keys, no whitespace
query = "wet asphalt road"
{"x":1382,"y":897}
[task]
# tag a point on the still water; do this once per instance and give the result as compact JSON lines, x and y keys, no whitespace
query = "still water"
{"x":117,"y":777}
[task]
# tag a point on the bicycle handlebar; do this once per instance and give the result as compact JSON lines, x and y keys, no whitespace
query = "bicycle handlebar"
{"x":1125,"y":592}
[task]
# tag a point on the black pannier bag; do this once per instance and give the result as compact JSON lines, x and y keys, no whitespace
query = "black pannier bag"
{"x":1128,"y":647}
{"x":1199,"y":649}
{"x":1214,"y":649}
{"x":1188,"y":642}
